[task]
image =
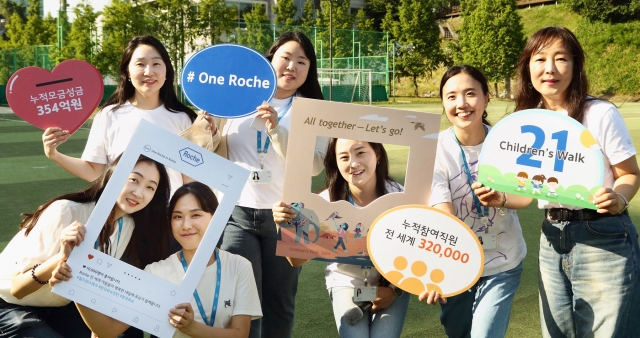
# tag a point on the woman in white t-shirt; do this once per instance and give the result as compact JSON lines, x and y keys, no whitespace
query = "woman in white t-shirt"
{"x":28,"y":308}
{"x":484,"y":310}
{"x":145,"y":91}
{"x":357,"y":172}
{"x":191,"y":209}
{"x":589,"y":272}
{"x":251,"y":232}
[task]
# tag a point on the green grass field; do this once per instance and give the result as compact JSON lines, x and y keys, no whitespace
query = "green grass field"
{"x":28,"y":179}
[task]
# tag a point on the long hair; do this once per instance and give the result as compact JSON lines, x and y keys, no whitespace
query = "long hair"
{"x":149,"y":242}
{"x":203,"y":194}
{"x":336,"y":184}
{"x":527,"y":96}
{"x":475,"y":74}
{"x":125,"y":89}
{"x":311,"y":87}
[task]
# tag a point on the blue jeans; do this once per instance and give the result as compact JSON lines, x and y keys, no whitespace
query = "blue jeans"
{"x":588,"y":278}
{"x":251,"y":233}
{"x":484,"y":310}
{"x":385,"y":323}
{"x":41,"y":322}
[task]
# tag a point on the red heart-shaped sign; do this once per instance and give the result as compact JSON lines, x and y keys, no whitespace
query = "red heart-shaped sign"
{"x":90,"y":256}
{"x":63,"y":98}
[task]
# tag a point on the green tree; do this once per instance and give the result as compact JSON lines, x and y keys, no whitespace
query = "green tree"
{"x":15,"y":32}
{"x":417,"y":34}
{"x":216,"y":19}
{"x":258,"y":35}
{"x":81,"y":43}
{"x":285,"y":12}
{"x":606,"y":10}
{"x":342,"y":26}
{"x":7,"y":8}
{"x":491,"y":38}
{"x":378,"y":9}
{"x":121,"y":21}
{"x":39,"y":31}
{"x":308,"y":14}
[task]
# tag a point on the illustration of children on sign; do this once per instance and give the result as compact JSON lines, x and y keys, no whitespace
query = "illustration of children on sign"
{"x":342,"y":231}
{"x":302,"y":222}
{"x":552,"y":183}
{"x":537,"y":182}
{"x":522,"y":178}
{"x":358,"y":231}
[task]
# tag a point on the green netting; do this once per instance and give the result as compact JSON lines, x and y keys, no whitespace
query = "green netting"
{"x":13,"y":59}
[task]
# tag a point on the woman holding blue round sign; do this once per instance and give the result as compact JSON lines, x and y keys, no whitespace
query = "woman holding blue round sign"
{"x":145,"y":91}
{"x":484,"y":310}
{"x":251,"y":231}
{"x":589,"y":272}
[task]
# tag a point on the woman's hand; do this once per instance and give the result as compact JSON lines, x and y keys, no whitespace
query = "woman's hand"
{"x":269,"y":114}
{"x":282,"y":212}
{"x":432,"y":298}
{"x":384,"y":299}
{"x":61,"y":273}
{"x":488,"y":196}
{"x":609,"y":201}
{"x":72,"y":236}
{"x":52,"y":138}
{"x":181,"y":317}
{"x":212,"y":123}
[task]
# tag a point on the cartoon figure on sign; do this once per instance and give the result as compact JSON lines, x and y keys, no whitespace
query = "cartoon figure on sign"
{"x":342,"y":233}
{"x":522,"y":180}
{"x":358,"y":231}
{"x":552,"y":183}
{"x":537,"y":182}
{"x":304,"y":218}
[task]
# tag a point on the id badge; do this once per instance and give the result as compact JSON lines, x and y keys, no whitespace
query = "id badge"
{"x":488,"y":241}
{"x":260,"y":177}
{"x":365,"y":294}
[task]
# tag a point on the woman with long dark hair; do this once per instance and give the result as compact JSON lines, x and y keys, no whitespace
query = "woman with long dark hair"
{"x":357,"y":172}
{"x":133,"y":232}
{"x":145,"y":91}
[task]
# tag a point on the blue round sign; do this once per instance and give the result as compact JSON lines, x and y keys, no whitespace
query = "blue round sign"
{"x":228,"y":80}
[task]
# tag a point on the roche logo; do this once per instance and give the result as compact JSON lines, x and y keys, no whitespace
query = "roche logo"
{"x":191,"y":156}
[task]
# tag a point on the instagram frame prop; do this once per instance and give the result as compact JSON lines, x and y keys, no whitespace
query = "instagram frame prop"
{"x":313,"y":234}
{"x":124,"y":292}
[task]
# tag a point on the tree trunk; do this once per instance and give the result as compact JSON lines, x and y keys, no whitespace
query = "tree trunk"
{"x":507,"y":85}
{"x":495,"y":85}
{"x":415,"y":86}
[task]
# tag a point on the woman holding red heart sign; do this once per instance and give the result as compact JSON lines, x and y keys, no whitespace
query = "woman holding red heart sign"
{"x":28,"y":308}
{"x":145,"y":91}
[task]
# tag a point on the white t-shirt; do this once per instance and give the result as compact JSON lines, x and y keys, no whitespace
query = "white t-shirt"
{"x":238,"y":292}
{"x":350,"y":275}
{"x":604,"y":122}
{"x":43,"y":242}
{"x":242,"y":149}
{"x":112,"y":130}
{"x":450,"y":185}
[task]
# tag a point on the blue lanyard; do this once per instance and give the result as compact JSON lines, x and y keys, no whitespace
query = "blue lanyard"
{"x":95,"y":246}
{"x":482,"y":212}
{"x":262,"y":152}
{"x":214,"y":307}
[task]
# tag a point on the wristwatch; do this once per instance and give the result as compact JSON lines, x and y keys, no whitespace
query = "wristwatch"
{"x":398,"y":291}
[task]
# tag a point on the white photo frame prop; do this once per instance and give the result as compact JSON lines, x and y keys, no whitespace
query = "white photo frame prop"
{"x":315,"y":216}
{"x":124,"y":292}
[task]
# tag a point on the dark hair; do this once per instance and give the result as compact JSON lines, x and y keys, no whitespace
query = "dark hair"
{"x":126,"y":90}
{"x":149,"y":242}
{"x":475,"y":74}
{"x":336,"y":184}
{"x":311,"y":87}
{"x":527,"y":96}
{"x":552,"y":180}
{"x":207,"y":200}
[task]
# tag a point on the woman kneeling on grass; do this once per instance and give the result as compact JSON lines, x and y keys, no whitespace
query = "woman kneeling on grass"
{"x":191,"y":209}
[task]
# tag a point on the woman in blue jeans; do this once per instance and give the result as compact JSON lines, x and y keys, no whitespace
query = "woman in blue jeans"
{"x":358,"y":172}
{"x":251,"y":232}
{"x":589,"y":265}
{"x":484,"y":310}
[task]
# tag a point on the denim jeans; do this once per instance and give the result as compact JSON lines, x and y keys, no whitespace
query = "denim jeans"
{"x":385,"y":323}
{"x":41,"y":322}
{"x":588,"y":278}
{"x":251,"y":233}
{"x":484,"y":310}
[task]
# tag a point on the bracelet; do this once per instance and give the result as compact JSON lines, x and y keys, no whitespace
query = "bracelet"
{"x":33,"y":275}
{"x":626,"y":203}
{"x":504,"y":194}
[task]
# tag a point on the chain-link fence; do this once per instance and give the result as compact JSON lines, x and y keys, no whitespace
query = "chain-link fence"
{"x":15,"y":58}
